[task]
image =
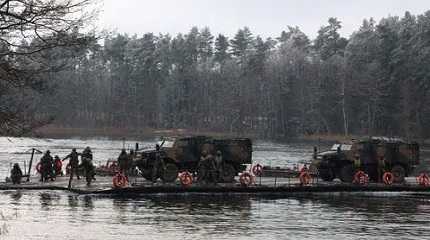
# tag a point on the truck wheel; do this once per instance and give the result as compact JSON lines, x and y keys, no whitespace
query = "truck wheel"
{"x":399,"y":173}
{"x":170,"y":173}
{"x":326,"y":174}
{"x":228,"y":173}
{"x":347,"y":173}
{"x":147,"y":174}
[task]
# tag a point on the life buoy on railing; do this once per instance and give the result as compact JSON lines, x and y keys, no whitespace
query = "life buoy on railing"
{"x":119,"y":181}
{"x":423,"y":180}
{"x":246,"y":179}
{"x":361,"y":178}
{"x":257,"y":170}
{"x":388,"y":178}
{"x":305,"y":178}
{"x":186,"y":179}
{"x":39,"y":167}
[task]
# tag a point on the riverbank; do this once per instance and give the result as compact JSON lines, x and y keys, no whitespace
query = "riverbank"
{"x":57,"y":132}
{"x":62,"y":132}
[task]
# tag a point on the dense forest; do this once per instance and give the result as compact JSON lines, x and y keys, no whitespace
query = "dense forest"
{"x":374,"y":83}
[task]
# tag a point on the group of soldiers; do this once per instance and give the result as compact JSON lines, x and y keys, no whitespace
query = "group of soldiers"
{"x":50,"y":169}
{"x":210,"y":168}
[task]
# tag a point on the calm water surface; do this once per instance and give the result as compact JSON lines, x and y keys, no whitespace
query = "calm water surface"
{"x":60,"y":215}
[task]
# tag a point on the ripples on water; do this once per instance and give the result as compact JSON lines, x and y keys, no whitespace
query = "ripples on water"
{"x":57,"y":215}
{"x":60,"y":215}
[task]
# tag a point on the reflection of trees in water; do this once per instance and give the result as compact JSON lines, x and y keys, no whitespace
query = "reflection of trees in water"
{"x":216,"y":213}
{"x":374,"y":204}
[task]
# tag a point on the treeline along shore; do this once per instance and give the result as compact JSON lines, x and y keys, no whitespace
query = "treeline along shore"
{"x":376,"y":82}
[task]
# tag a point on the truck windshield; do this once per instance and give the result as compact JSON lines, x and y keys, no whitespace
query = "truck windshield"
{"x":343,"y":147}
{"x":167,"y":143}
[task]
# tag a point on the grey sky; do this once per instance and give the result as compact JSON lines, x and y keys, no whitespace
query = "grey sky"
{"x":263,"y":17}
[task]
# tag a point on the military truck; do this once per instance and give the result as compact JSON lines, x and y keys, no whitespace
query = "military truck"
{"x":373,"y":155}
{"x":183,"y":154}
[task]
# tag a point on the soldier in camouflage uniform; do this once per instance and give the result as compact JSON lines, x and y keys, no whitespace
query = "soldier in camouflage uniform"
{"x":123,"y":162}
{"x":158,"y":163}
{"x":47,"y":166}
{"x":87,"y":164}
{"x":16,"y":174}
{"x":219,"y":162}
{"x":207,"y":168}
{"x":74,"y":163}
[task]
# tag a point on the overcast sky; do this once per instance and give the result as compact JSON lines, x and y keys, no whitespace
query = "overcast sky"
{"x":264,"y":17}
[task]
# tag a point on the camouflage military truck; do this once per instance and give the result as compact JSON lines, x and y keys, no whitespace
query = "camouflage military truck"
{"x":184,"y":153}
{"x":373,"y":155}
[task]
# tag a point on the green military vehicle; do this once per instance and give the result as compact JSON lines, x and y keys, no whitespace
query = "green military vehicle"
{"x":183,"y":154}
{"x":373,"y":155}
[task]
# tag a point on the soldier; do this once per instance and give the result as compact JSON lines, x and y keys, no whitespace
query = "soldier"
{"x":57,"y":166}
{"x":123,"y":161}
{"x":74,"y":163}
{"x":219,"y":162}
{"x":207,"y":168}
{"x":47,"y":162}
{"x":87,"y":153}
{"x":16,"y":174}
{"x":131,"y":156}
{"x":158,"y":163}
{"x":87,"y":164}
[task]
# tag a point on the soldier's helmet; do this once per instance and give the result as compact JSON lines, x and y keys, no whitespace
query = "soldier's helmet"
{"x":48,"y":152}
{"x":88,"y":149}
{"x":218,"y":153}
{"x":74,"y":150}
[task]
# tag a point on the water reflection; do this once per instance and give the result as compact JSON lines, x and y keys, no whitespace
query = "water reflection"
{"x":212,"y":214}
{"x":48,"y":199}
{"x":88,"y":203}
{"x":15,"y":197}
{"x":73,"y":201}
{"x":375,"y":205}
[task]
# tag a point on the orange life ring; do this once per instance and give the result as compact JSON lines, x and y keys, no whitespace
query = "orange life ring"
{"x":423,"y":180}
{"x":305,"y":178}
{"x":246,"y":179}
{"x":119,"y":181}
{"x":257,"y":170}
{"x":361,"y":178}
{"x":186,"y":179}
{"x":388,"y":178}
{"x":39,"y":167}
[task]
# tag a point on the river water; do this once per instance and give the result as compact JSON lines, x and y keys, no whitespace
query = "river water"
{"x":61,"y":215}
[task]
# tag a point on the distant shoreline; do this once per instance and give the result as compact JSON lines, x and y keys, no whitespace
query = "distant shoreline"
{"x":56,"y":132}
{"x":52,"y":131}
